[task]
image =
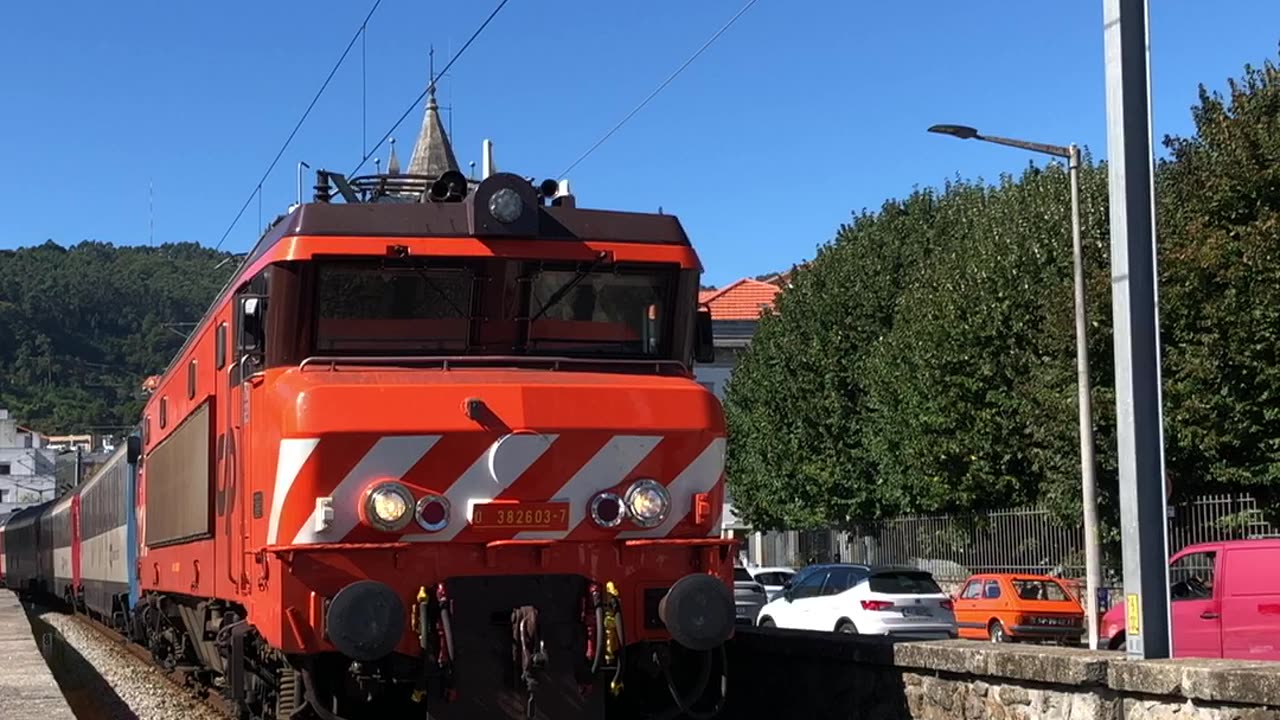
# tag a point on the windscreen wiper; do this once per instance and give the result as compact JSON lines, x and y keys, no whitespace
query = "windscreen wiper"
{"x":560,"y":293}
{"x":426,"y":279}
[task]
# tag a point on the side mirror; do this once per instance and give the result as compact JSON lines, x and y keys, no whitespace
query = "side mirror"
{"x":251,"y":330}
{"x":133,"y":449}
{"x":705,"y":348}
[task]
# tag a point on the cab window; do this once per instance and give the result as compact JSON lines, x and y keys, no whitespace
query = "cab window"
{"x":991,"y":590}
{"x":1191,"y":576}
{"x":389,"y":308}
{"x":972,"y":591}
{"x":613,"y":312}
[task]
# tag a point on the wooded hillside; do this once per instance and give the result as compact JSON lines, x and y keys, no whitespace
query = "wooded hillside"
{"x":81,"y":327}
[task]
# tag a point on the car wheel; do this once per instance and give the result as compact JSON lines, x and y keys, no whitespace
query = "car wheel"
{"x":1119,"y":643}
{"x":846,"y":628}
{"x":767,"y":623}
{"x":996,"y":632}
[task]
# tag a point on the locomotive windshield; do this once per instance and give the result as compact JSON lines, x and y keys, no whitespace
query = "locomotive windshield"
{"x":492,"y":306}
{"x":600,"y":312}
{"x":361,"y":307}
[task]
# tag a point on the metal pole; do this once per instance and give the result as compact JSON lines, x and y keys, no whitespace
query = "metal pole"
{"x":300,"y":166}
{"x":1139,"y":432}
{"x":1088,"y":483}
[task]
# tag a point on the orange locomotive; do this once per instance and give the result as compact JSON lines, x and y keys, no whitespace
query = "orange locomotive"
{"x":439,"y":447}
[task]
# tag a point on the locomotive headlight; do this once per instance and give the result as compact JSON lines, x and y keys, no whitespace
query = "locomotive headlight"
{"x":648,"y":502}
{"x":505,"y":205}
{"x":388,"y":506}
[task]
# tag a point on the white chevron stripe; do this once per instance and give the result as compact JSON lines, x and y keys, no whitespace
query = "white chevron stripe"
{"x":717,"y":520}
{"x":606,"y":468}
{"x":293,"y":454}
{"x":488,"y":476}
{"x":390,"y":457}
{"x":700,"y":476}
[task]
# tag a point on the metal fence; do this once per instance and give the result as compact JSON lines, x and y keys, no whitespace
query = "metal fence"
{"x":1026,"y":540}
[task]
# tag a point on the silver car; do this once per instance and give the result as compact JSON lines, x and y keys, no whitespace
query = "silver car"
{"x":748,"y":596}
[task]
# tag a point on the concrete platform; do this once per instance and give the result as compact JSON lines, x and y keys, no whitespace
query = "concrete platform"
{"x":27,"y":687}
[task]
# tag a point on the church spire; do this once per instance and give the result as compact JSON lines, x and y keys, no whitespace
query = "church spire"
{"x":393,"y":162}
{"x":433,"y":154}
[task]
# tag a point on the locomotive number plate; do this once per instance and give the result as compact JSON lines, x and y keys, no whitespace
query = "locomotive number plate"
{"x":521,"y":516}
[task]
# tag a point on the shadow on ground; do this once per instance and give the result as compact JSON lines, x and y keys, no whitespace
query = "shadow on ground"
{"x":813,"y":676}
{"x":88,"y":694}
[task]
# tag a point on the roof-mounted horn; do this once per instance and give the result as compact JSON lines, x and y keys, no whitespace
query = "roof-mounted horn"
{"x":449,"y":187}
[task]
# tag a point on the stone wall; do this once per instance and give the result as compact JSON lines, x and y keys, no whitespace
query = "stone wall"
{"x":813,"y":676}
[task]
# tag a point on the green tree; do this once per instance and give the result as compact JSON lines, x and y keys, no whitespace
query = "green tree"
{"x":81,"y":327}
{"x":1220,"y":305}
{"x":925,"y":360}
{"x":796,"y":400}
{"x":973,"y":390}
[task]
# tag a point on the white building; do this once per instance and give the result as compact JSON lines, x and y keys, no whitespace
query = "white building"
{"x":26,"y":466}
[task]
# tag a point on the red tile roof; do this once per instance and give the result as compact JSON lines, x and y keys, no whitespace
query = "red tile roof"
{"x":744,"y":299}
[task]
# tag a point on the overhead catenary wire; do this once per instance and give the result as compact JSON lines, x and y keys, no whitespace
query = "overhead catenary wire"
{"x":660,"y":88}
{"x":430,"y":86}
{"x":258,"y":187}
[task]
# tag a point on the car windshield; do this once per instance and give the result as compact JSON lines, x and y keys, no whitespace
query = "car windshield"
{"x":900,"y":582}
{"x":1039,"y":590}
{"x":741,"y":575}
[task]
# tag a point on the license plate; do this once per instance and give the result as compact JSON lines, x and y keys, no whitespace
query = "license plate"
{"x":913,"y":611}
{"x":521,"y":516}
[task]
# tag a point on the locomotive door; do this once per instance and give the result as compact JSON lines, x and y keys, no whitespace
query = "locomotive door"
{"x":244,"y":381}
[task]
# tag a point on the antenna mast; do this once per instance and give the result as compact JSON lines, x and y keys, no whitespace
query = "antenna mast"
{"x":151,"y":213}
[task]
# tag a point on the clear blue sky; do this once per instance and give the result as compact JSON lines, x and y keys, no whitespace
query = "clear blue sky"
{"x":798,"y":115}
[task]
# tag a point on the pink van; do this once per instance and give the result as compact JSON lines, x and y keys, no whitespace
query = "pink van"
{"x":1224,"y":602}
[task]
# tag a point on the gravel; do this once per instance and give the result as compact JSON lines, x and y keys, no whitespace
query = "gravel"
{"x":103,"y":681}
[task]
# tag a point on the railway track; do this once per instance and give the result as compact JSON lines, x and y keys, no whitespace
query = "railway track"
{"x":184,"y":679}
{"x":120,"y":692}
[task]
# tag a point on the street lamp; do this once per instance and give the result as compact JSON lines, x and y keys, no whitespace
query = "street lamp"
{"x":1092,"y":558}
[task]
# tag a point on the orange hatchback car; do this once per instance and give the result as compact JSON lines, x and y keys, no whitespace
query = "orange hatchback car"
{"x":1007,"y":607}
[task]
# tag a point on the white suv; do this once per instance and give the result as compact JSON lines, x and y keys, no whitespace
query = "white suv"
{"x":897,"y":601}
